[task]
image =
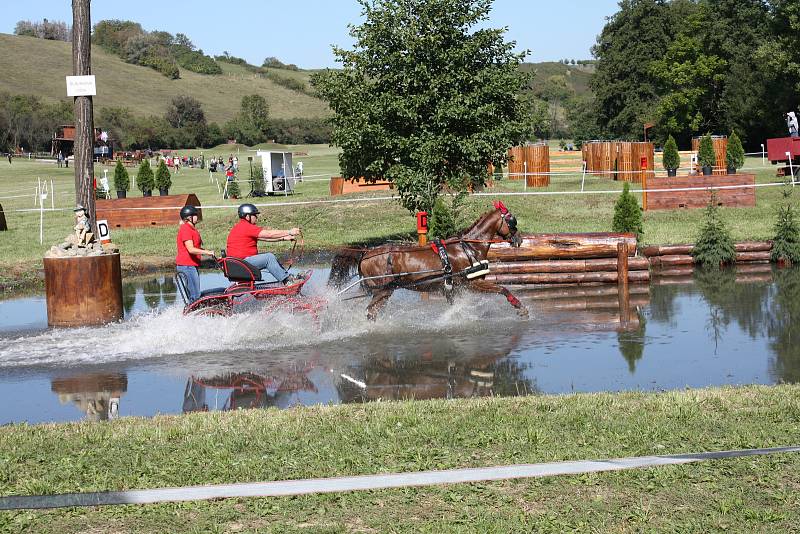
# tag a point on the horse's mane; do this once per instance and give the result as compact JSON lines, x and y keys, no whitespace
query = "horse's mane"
{"x":476,"y":223}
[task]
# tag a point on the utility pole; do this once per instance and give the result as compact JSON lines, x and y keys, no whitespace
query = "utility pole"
{"x":84,"y":114}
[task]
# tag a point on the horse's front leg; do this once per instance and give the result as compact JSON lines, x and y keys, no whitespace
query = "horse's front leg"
{"x":379,"y":299}
{"x":490,"y":287}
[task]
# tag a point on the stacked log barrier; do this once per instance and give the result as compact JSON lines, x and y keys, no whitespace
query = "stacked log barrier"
{"x":671,"y":256}
{"x":720,"y":152}
{"x":588,"y":258}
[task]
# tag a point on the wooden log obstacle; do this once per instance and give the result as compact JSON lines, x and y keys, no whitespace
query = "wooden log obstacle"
{"x":144,"y":211}
{"x":587,"y":258}
{"x":701,"y":196}
{"x":620,"y":160}
{"x":344,"y":186}
{"x":720,"y":152}
{"x":671,"y":256}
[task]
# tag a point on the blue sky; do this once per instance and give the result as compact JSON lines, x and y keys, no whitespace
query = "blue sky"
{"x":302,"y":31}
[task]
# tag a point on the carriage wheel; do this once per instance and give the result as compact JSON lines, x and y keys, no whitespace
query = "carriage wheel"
{"x":298,"y":305}
{"x":220,"y":310}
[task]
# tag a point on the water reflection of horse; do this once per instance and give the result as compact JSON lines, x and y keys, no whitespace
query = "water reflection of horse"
{"x":385,"y":268}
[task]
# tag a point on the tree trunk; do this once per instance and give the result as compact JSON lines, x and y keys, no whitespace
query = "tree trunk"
{"x":562,"y":246}
{"x":84,"y":118}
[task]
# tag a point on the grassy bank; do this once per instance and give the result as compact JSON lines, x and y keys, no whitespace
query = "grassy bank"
{"x":330,"y":225}
{"x":747,"y":495}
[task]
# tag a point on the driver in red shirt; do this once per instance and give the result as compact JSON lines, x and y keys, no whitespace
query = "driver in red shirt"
{"x":243,"y":243}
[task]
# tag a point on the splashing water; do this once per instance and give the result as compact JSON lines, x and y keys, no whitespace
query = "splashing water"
{"x":167,"y":332}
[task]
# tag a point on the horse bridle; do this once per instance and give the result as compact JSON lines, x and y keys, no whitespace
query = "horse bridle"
{"x":511,"y":224}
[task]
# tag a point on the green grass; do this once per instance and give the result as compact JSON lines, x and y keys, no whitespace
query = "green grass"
{"x":327,"y":225}
{"x":760,"y":494}
{"x":39,"y":67}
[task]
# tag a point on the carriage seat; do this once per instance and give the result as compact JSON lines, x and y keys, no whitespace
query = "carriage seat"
{"x":239,"y":270}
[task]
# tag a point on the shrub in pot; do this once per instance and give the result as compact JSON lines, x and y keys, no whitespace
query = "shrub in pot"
{"x":144,"y":179}
{"x":734,"y":158}
{"x":163,"y":178}
{"x":122,"y":182}
{"x":706,"y":156}
{"x":671,"y":157}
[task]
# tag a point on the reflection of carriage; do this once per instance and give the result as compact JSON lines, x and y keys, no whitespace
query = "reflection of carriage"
{"x":247,"y":287}
{"x":246,"y":390}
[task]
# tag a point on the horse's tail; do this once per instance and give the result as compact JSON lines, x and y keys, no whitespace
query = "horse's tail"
{"x":344,"y":266}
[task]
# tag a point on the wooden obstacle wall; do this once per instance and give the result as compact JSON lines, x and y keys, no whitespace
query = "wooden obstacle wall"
{"x":565,"y":259}
{"x":667,"y":200}
{"x":345,"y":186}
{"x":144,"y":211}
{"x":720,"y":153}
{"x":620,"y":160}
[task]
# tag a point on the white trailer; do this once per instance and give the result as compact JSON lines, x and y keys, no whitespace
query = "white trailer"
{"x":278,"y":172}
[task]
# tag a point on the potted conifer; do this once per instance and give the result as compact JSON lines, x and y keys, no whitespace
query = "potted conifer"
{"x":163,"y":178}
{"x":671,"y":157}
{"x":122,"y":182}
{"x":734,"y":158}
{"x":706,"y":156}
{"x":144,"y":179}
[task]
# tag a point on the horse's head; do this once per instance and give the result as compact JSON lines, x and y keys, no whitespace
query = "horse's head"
{"x":508,"y":225}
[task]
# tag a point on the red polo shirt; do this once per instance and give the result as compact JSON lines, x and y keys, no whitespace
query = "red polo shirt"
{"x":187,"y":232}
{"x":243,"y":240}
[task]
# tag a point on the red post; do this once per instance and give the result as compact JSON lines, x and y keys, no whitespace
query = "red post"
{"x":422,"y":227}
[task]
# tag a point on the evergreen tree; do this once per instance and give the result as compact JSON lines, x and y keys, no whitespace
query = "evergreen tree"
{"x":163,"y":179}
{"x":734,"y":157}
{"x":714,"y":245}
{"x":233,"y":189}
{"x":627,"y":215}
{"x":671,"y":156}
{"x":144,"y":179}
{"x":122,"y":181}
{"x":706,"y":155}
{"x":442,"y":224}
{"x":786,"y":243}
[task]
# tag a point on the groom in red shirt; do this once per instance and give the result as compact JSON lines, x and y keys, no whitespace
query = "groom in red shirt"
{"x":243,"y":243}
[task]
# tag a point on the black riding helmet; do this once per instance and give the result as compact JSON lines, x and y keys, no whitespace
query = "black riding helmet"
{"x":247,"y":209}
{"x":188,"y":211}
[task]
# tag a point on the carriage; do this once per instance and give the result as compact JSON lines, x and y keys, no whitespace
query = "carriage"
{"x":246,"y":288}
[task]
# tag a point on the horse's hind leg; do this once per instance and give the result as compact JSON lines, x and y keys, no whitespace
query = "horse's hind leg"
{"x":379,"y":299}
{"x":489,"y":287}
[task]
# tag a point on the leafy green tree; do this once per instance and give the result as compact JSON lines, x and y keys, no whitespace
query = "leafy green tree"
{"x":624,"y":86}
{"x":163,"y":178}
{"x":627,"y":215}
{"x":734,"y":157}
{"x":691,"y":82}
{"x":671,"y":156}
{"x":144,"y":178}
{"x":786,"y":243}
{"x":714,"y":246}
{"x":186,"y":113}
{"x":705,"y":154}
{"x":426,"y":98}
{"x":122,"y":181}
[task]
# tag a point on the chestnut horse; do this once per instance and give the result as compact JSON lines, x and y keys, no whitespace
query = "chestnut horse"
{"x":422,"y":268}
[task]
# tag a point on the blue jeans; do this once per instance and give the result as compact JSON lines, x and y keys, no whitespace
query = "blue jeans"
{"x":267,"y":261}
{"x":192,"y":281}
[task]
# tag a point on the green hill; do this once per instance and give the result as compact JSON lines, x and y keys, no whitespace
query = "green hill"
{"x":38,"y":67}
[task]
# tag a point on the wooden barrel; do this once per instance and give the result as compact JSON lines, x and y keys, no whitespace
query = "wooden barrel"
{"x":516,"y":162}
{"x":538,"y":163}
{"x":640,"y":151}
{"x":83,"y":291}
{"x":336,"y":185}
{"x":3,"y":225}
{"x":720,"y":152}
{"x":601,"y":158}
